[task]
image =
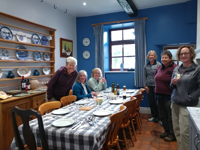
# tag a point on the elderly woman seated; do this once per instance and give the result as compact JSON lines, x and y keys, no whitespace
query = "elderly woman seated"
{"x":80,"y":88}
{"x":97,"y":83}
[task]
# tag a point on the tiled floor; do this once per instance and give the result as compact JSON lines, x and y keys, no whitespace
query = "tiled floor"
{"x":150,"y":137}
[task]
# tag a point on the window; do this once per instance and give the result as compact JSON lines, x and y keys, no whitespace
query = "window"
{"x":122,"y":48}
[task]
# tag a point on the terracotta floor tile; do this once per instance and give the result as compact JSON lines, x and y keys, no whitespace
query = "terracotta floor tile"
{"x":150,"y":137}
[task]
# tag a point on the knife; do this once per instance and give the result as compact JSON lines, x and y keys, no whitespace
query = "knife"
{"x":77,"y":125}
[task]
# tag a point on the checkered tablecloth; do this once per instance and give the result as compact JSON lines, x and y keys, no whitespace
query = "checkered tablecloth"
{"x":88,"y":138}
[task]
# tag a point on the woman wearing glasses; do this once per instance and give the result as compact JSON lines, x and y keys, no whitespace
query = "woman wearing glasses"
{"x":186,"y":91}
{"x":97,"y":83}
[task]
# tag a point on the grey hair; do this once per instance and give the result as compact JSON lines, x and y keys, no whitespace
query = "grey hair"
{"x":71,"y":60}
{"x":78,"y":76}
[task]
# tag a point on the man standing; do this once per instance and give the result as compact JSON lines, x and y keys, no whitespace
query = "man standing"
{"x":62,"y":80}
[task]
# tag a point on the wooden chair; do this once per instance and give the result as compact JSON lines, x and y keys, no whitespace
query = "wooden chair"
{"x":126,"y":121}
{"x":116,"y":122}
{"x":138,"y":109}
{"x":48,"y":107}
{"x":66,"y":100}
{"x":70,"y":92}
{"x":27,"y":132}
{"x":134,"y":115}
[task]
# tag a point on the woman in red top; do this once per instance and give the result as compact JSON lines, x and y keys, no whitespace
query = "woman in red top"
{"x":163,"y":94}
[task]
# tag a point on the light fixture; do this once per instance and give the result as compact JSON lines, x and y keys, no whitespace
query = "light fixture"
{"x":84,"y":3}
{"x":129,"y":7}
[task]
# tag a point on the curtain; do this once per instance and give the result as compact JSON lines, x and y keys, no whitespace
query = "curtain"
{"x":99,"y":52}
{"x":140,"y":51}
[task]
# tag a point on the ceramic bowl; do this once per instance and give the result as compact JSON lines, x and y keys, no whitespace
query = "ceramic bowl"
{"x":46,"y":71}
{"x":24,"y":72}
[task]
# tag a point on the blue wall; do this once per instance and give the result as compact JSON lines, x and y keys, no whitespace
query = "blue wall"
{"x":172,"y":24}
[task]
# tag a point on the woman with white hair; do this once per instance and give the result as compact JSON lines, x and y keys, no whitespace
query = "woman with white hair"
{"x":62,"y":80}
{"x":149,"y":84}
{"x":97,"y":83}
{"x":80,"y":88}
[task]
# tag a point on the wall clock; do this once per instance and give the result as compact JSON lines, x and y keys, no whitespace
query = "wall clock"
{"x":86,"y":41}
{"x":86,"y":54}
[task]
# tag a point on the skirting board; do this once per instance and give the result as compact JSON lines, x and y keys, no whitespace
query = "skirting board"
{"x":145,"y":110}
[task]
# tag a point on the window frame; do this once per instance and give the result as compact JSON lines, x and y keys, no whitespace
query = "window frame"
{"x":121,"y":42}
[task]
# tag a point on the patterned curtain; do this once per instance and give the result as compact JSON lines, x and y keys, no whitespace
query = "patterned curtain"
{"x":140,"y":51}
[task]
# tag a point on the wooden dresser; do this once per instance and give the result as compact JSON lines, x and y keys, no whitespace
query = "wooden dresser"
{"x":26,"y":102}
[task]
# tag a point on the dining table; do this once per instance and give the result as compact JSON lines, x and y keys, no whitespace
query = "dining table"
{"x":86,"y":131}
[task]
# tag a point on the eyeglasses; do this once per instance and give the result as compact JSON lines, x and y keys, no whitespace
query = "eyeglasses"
{"x":181,"y":54}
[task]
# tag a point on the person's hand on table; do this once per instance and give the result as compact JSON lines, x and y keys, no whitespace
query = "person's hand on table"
{"x":95,"y":93}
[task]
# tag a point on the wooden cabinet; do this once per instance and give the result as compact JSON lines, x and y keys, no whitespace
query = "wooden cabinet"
{"x":32,"y":101}
{"x":6,"y":129}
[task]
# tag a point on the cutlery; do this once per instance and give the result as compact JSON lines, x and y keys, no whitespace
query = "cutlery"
{"x":77,"y":125}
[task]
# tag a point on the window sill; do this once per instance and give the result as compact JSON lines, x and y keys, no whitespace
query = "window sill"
{"x":119,"y":71}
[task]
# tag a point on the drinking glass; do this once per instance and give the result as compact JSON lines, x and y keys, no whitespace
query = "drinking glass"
{"x":124,"y":88}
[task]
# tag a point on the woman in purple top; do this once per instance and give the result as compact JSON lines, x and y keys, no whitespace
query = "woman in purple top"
{"x":62,"y":80}
{"x":163,"y":94}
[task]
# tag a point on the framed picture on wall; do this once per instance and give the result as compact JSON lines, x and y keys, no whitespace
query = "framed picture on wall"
{"x":66,"y":47}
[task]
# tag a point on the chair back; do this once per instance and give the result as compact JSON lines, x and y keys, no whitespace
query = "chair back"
{"x":66,"y":100}
{"x":116,"y":122}
{"x":70,"y":92}
{"x":139,"y":98}
{"x":142,"y":90}
{"x":48,"y":107}
{"x":130,"y":105}
{"x":27,"y":132}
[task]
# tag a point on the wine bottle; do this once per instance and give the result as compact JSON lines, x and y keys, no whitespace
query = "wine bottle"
{"x":117,"y":89}
{"x":28,"y":86}
{"x":23,"y":83}
{"x":113,"y":87}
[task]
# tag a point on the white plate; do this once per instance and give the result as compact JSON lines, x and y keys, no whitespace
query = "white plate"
{"x":118,"y":101}
{"x":63,"y":122}
{"x":24,"y":72}
{"x":82,"y":102}
{"x":1,"y":73}
{"x":4,"y":54}
{"x":60,"y":111}
{"x":102,"y":112}
{"x":127,"y":95}
{"x":46,"y":71}
{"x":130,"y":91}
{"x":21,"y":37}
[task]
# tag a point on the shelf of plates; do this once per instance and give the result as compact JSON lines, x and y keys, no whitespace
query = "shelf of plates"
{"x":19,"y":38}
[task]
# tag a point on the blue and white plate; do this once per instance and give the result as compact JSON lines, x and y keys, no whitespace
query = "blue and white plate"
{"x":45,"y":41}
{"x":47,"y":56}
{"x":6,"y":33}
{"x":21,"y":55}
{"x":37,"y":56}
{"x":35,"y":39}
{"x":21,"y":37}
{"x":4,"y":54}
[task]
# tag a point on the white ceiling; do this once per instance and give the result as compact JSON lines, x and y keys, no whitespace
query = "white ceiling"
{"x":98,"y":7}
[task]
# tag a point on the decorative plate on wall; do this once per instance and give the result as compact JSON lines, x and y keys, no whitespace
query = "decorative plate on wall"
{"x":86,"y":54}
{"x":21,"y":55}
{"x":35,"y":39}
{"x":6,"y":33}
{"x":86,"y":41}
{"x":4,"y":54}
{"x":21,"y":37}
{"x":47,"y":56}
{"x":45,"y":41}
{"x":37,"y":56}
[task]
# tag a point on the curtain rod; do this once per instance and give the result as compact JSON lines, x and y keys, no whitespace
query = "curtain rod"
{"x":119,"y":21}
